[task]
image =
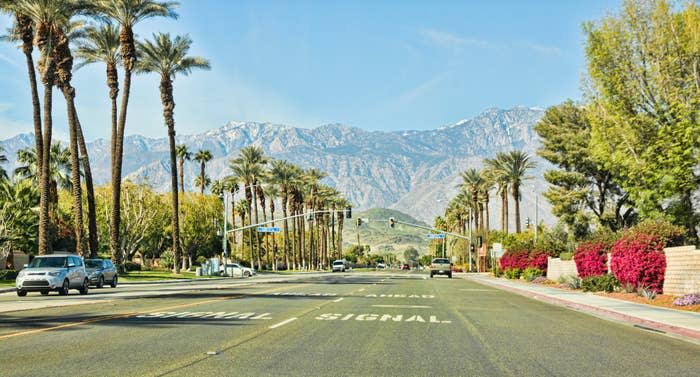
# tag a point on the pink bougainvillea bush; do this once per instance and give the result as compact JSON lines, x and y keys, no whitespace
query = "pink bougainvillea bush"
{"x":639,"y":261}
{"x":523,"y":259}
{"x":591,"y":259}
{"x":538,"y":259}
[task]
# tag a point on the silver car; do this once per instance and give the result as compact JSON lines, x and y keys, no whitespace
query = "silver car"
{"x":236,"y":270}
{"x":101,"y":271}
{"x":47,"y":273}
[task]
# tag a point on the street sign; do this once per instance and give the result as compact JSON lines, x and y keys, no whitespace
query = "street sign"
{"x":434,"y":236}
{"x":497,"y":250}
{"x":268,"y":229}
{"x":454,"y":259}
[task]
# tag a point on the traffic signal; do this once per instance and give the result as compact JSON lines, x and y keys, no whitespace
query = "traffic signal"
{"x":527,"y":222}
{"x":358,"y":221}
{"x":348,"y":212}
{"x":479,"y":240}
{"x":392,"y":222}
{"x":471,"y":248}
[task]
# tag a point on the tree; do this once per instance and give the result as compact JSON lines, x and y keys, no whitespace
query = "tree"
{"x":100,"y":45}
{"x":645,"y":104}
{"x":126,"y":14}
{"x":202,"y":182}
{"x":168,"y":57}
{"x":3,"y":160}
{"x":579,"y":186}
{"x":18,"y":218}
{"x":199,"y":226}
{"x":283,"y":174}
{"x":183,"y":154}
{"x":410,"y":254}
{"x":515,"y":166}
{"x":495,"y":170}
{"x":202,"y":156}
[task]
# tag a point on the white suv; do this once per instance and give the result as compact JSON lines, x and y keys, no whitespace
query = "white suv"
{"x":54,"y":272}
{"x":340,"y":265}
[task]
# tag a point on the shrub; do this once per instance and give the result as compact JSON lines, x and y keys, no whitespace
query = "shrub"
{"x":8,"y":274}
{"x":591,"y":258}
{"x":639,"y":261}
{"x":538,"y":259}
{"x":689,"y":299}
{"x":167,"y":259}
{"x":566,"y":256}
{"x":497,"y":271}
{"x":647,"y":293}
{"x":661,"y":229}
{"x":531,"y":273}
{"x":606,"y":283}
{"x":201,"y":260}
{"x":540,"y":280}
{"x":513,"y":273}
{"x":569,"y":281}
{"x":131,"y":266}
{"x":523,"y":258}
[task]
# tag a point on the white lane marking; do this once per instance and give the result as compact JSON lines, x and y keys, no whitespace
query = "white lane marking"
{"x":477,"y":290}
{"x":338,"y":299}
{"x":362,"y":289}
{"x":286,"y":321}
{"x":369,"y":317}
{"x":425,"y":278}
{"x":403,"y":306}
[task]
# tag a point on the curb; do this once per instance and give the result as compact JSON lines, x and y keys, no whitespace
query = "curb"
{"x":683,"y":333}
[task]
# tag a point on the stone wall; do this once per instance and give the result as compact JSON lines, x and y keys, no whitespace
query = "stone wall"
{"x":682,"y":270}
{"x":557,"y":267}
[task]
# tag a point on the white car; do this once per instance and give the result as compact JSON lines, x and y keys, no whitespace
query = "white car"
{"x":54,"y":272}
{"x":236,"y":270}
{"x":340,"y":265}
{"x":381,"y":265}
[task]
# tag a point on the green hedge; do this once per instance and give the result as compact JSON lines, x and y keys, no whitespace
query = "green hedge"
{"x":8,"y":274}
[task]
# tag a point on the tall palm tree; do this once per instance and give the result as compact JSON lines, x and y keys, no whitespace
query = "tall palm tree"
{"x":126,"y":14}
{"x":202,"y":156}
{"x":183,"y":154}
{"x":217,"y":187}
{"x":230,"y":184}
{"x":202,"y":182}
{"x":241,"y":208}
{"x":99,"y":45}
{"x":271,"y":191}
{"x":472,"y":181}
{"x":283,"y":174}
{"x":516,"y":165}
{"x":168,"y":57}
{"x":496,"y":169}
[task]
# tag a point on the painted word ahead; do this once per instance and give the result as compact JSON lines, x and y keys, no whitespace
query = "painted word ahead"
{"x":381,"y":318}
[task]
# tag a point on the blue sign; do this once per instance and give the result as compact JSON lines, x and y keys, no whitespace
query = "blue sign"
{"x":434,"y":236}
{"x":268,"y":229}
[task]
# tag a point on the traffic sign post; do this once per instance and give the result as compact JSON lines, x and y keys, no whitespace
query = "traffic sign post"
{"x":268,"y":229}
{"x":432,"y":236}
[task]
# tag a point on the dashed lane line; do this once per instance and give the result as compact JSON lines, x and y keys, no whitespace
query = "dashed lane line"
{"x":338,"y":299}
{"x":403,"y":306}
{"x":286,"y":321}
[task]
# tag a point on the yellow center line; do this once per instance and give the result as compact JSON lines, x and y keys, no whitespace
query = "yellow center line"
{"x":131,"y":314}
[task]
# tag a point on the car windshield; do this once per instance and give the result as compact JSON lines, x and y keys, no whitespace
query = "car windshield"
{"x":441,"y":261}
{"x":338,"y":262}
{"x":48,"y":262}
{"x":93,"y":263}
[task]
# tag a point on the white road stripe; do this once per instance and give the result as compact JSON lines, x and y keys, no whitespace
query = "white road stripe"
{"x":338,"y":300}
{"x":403,"y":306}
{"x":286,"y":321}
{"x":361,"y":290}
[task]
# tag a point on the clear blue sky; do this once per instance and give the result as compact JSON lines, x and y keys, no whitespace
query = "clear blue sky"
{"x":377,"y":65}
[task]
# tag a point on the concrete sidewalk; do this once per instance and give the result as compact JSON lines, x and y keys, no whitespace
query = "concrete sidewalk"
{"x":677,"y":323}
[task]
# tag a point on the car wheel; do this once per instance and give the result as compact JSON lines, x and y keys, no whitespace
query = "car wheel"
{"x":113,"y":284}
{"x":101,"y":282}
{"x":21,"y":292}
{"x":246,"y":274}
{"x":84,"y":289}
{"x":63,"y":291}
{"x":449,"y":276}
{"x":44,"y":293}
{"x":431,"y":275}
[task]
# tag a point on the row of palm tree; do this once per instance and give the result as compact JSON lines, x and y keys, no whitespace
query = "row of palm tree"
{"x":100,"y":31}
{"x":505,"y":173}
{"x":203,"y":156}
{"x":307,"y":242}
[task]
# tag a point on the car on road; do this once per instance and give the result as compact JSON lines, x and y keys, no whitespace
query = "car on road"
{"x":441,"y":266}
{"x":236,"y":270}
{"x":381,"y":265}
{"x":55,"y":272}
{"x":405,"y":266}
{"x":340,"y":265}
{"x":101,"y":271}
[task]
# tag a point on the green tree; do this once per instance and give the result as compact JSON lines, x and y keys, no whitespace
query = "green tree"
{"x":168,"y":58}
{"x":202,"y":156}
{"x":18,"y":218}
{"x":183,"y":154}
{"x":579,"y":186}
{"x":410,"y":254}
{"x":283,"y":175}
{"x":645,"y":92}
{"x":515,"y":165}
{"x":3,"y":160}
{"x":200,"y":214}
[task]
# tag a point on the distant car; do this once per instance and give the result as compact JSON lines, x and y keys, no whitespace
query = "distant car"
{"x":381,"y":265}
{"x":55,"y":272}
{"x":101,"y":271}
{"x":236,"y":270}
{"x":441,"y":266}
{"x":340,"y":265}
{"x":405,"y":266}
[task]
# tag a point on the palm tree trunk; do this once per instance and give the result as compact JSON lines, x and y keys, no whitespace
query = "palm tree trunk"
{"x":181,"y":166}
{"x":76,"y":190}
{"x":166,"y":96}
{"x":341,"y":221}
{"x":93,"y":242}
{"x":274,"y":239}
{"x":44,"y":242}
{"x":117,"y":157}
{"x":516,"y":198}
{"x":233,"y":216}
{"x":27,"y":48}
{"x":257,"y":235}
{"x":201,"y":180}
{"x":488,"y":215}
{"x":248,"y":199}
{"x":286,"y":230}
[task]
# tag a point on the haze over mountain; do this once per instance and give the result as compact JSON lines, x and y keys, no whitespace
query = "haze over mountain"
{"x":413,"y":171}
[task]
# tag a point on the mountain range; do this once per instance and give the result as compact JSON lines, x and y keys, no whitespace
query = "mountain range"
{"x":416,"y":172}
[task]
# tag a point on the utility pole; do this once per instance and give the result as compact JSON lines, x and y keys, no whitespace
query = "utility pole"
{"x":224,"y":243}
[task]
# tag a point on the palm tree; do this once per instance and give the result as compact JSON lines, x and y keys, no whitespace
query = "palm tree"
{"x":241,"y":208}
{"x":496,"y":169}
{"x":202,"y":156}
{"x":3,"y":159}
{"x":126,"y":14}
{"x":217,"y":187}
{"x":99,"y":45}
{"x":472,"y":182}
{"x":283,"y":174}
{"x":271,"y":191}
{"x":230,"y":184}
{"x":183,"y":154}
{"x":516,"y":164}
{"x":202,"y":182}
{"x":168,"y":58}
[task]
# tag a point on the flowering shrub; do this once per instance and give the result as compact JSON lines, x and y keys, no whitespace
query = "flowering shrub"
{"x":523,"y":258}
{"x":689,"y":299}
{"x":639,"y":261}
{"x":591,"y":259}
{"x":538,"y":259}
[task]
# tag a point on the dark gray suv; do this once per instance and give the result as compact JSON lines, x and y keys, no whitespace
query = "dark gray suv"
{"x":55,"y":272}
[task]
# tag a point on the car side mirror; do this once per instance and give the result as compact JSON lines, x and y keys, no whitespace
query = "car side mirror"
{"x":25,"y":266}
{"x":71,"y":265}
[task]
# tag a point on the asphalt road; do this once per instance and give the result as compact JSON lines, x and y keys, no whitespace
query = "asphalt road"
{"x":355,"y":324}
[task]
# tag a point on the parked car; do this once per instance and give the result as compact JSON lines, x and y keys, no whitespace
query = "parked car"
{"x":340,"y":265}
{"x":381,"y":265}
{"x":236,"y":270}
{"x":100,"y":271}
{"x":441,"y":266}
{"x":54,"y":272}
{"x":405,"y":266}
